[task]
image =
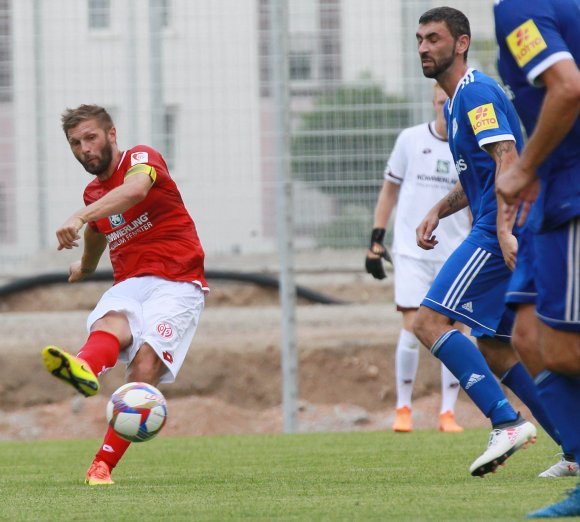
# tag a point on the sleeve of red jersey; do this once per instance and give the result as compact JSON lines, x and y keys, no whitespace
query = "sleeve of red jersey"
{"x":144,"y":155}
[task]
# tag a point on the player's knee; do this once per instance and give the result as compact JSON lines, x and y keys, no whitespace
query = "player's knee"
{"x":421,"y":327}
{"x":146,"y":366}
{"x":117,"y":324}
{"x":524,"y":340}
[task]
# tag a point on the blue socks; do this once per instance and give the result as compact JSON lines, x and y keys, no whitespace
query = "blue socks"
{"x":560,"y":393}
{"x":465,"y":361}
{"x":518,"y":380}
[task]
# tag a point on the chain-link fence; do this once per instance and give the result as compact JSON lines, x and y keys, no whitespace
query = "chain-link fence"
{"x":193,"y":78}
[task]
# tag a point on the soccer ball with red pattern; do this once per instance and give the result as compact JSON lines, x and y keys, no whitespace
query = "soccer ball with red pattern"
{"x":137,"y":411}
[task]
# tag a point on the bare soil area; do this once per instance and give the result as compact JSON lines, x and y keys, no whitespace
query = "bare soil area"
{"x":231,"y":381}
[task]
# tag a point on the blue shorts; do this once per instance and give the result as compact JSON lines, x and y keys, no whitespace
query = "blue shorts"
{"x":557,"y":275}
{"x":522,"y":288}
{"x":470,"y":288}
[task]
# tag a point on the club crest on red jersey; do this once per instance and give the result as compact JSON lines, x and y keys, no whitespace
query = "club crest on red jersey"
{"x":139,"y":157}
{"x":116,"y":220}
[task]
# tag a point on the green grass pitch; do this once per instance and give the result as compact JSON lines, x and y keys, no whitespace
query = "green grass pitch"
{"x":306,"y":477}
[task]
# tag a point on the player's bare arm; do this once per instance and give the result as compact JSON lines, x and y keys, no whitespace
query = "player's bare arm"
{"x":453,"y":202}
{"x":385,"y":204}
{"x":559,"y":111}
{"x":134,"y":189}
{"x":456,"y":200}
{"x":94,"y":246}
{"x":505,"y":154}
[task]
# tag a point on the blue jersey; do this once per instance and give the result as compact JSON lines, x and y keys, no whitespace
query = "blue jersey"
{"x":533,"y":35}
{"x":479,"y":114}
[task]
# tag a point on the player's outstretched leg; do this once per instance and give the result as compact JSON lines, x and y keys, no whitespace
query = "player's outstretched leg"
{"x":504,"y":440}
{"x":569,"y":507}
{"x":71,"y":370}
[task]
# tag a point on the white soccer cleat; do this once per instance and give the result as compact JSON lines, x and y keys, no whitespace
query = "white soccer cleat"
{"x":562,"y":468}
{"x":503,"y":442}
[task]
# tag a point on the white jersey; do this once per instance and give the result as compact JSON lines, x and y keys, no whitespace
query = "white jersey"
{"x":421,"y":163}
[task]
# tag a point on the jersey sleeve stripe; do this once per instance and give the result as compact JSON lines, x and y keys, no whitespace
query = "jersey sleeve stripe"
{"x":532,"y":76}
{"x":389,"y":176}
{"x":495,"y":139}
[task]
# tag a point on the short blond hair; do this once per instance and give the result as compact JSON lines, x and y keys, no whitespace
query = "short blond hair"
{"x":72,"y":117}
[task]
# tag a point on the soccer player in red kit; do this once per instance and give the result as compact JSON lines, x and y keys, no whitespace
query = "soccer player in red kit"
{"x":148,"y":318}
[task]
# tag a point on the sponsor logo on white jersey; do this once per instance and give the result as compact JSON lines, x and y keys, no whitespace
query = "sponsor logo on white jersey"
{"x":474,"y":379}
{"x":139,"y":157}
{"x":468,"y":306}
{"x":443,"y":166}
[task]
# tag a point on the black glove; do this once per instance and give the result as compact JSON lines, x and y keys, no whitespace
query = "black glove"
{"x":374,"y":265}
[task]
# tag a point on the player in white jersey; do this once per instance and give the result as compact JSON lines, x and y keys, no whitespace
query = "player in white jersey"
{"x":420,"y":171}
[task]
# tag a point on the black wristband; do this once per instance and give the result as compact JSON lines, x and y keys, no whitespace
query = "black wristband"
{"x":377,"y":235}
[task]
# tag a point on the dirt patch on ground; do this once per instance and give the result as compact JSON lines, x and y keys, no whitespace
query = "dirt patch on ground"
{"x":231,"y":380}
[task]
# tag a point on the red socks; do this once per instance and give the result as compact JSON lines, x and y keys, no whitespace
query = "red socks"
{"x":101,"y":351}
{"x":112,"y":449}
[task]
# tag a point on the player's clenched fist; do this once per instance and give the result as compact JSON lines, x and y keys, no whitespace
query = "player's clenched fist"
{"x":68,"y":233}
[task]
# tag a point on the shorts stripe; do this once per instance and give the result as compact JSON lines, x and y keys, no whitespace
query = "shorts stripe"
{"x":465,"y":278}
{"x":572,"y":313}
{"x":473,"y":276}
{"x":459,"y":277}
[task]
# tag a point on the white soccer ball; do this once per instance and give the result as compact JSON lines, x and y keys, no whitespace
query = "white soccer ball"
{"x":137,"y":411}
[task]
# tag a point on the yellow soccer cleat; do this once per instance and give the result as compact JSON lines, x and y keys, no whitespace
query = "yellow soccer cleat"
{"x":448,"y":424}
{"x":71,"y":369}
{"x":403,"y":420}
{"x":99,"y":474}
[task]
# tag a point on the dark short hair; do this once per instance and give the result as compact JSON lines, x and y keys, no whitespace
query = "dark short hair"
{"x":72,"y":117}
{"x":456,"y":21}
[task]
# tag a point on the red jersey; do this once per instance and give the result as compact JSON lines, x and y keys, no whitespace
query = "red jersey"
{"x":156,"y":236}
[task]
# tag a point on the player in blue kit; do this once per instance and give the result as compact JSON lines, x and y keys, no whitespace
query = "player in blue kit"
{"x":539,"y":58}
{"x":484,"y":135}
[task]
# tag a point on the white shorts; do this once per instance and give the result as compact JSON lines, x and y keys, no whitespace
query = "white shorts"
{"x":161,"y":313}
{"x":413,"y":278}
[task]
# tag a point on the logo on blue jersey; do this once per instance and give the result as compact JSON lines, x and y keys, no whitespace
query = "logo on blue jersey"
{"x":460,"y":165}
{"x":483,"y":118}
{"x":526,"y":42}
{"x":116,"y":220}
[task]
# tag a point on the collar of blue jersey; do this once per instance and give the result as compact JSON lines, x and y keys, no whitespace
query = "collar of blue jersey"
{"x":467,"y":78}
